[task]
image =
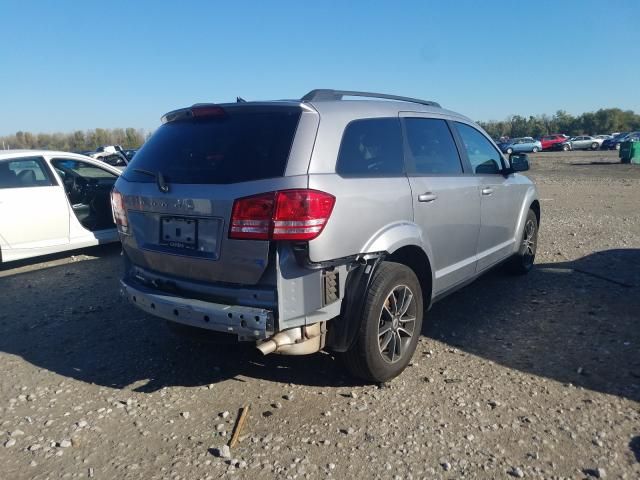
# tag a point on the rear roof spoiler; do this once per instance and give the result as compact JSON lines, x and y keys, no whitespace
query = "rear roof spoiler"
{"x":326,"y":94}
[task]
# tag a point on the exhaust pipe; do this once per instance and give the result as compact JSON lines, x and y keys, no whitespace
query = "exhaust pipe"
{"x":296,"y":341}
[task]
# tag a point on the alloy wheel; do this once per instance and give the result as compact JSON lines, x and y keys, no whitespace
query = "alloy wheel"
{"x":529,"y":241}
{"x":396,"y":325}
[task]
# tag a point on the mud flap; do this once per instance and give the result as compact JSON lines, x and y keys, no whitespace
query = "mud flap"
{"x":343,"y":329}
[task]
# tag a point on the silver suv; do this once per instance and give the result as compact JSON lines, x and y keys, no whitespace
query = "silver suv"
{"x":324,"y":222}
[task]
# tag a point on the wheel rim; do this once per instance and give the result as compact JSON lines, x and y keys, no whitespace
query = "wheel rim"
{"x":535,"y":149}
{"x":529,"y":242}
{"x":396,"y":324}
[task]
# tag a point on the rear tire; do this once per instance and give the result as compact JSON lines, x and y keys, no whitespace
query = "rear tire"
{"x":595,"y":146}
{"x":522,"y":262}
{"x":565,"y":148}
{"x":390,"y":327}
{"x":535,"y":150}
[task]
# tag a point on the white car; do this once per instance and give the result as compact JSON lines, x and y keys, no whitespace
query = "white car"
{"x":601,"y":138}
{"x":112,"y":155}
{"x":52,"y":202}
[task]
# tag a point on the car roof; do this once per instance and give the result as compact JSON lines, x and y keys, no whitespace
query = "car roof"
{"x":374,"y":108}
{"x":368,"y":104}
{"x":9,"y":154}
{"x":15,"y":153}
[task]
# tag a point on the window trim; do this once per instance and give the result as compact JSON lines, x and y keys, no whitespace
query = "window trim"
{"x":44,"y":167}
{"x":410,"y":164}
{"x":402,"y":173}
{"x":503,"y":161}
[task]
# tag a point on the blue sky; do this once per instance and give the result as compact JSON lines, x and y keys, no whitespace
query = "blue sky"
{"x":69,"y":65}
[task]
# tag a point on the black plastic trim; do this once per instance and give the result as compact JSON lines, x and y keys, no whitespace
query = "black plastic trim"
{"x":343,"y":329}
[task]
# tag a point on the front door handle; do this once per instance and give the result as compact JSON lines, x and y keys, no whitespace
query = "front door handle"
{"x":487,"y":191}
{"x":427,"y":197}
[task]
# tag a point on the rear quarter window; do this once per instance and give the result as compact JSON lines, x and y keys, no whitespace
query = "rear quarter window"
{"x":245,"y":144}
{"x":371,"y":147}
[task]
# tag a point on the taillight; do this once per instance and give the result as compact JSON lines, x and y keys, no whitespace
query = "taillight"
{"x":119,"y":213}
{"x":283,"y":215}
{"x":251,"y":217}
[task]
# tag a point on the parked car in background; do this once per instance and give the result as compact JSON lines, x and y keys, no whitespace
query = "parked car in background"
{"x":522,"y":144}
{"x":613,"y":143}
{"x":581,"y":142}
{"x":112,"y":155}
{"x":548,"y":141}
{"x":52,"y":202}
{"x":602,"y":138}
{"x":319,"y":223}
{"x":629,"y":137}
{"x":129,"y":153}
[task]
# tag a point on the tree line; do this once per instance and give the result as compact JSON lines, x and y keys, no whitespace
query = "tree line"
{"x":77,"y":141}
{"x":604,"y":121}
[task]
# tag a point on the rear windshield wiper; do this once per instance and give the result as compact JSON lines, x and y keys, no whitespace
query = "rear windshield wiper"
{"x":162,"y":184}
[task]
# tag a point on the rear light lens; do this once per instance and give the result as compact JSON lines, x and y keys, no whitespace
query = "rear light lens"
{"x":119,"y":213}
{"x":285,"y":215}
{"x":251,"y":217}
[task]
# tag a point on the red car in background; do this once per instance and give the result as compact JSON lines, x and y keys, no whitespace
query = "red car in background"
{"x":549,"y":141}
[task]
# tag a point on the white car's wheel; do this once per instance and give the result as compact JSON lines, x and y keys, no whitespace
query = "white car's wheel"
{"x":535,"y":150}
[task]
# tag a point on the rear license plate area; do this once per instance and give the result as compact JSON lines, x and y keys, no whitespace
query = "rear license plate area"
{"x":179,"y":232}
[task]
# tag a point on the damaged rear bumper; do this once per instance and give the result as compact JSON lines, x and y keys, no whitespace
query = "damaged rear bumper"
{"x":248,"y":323}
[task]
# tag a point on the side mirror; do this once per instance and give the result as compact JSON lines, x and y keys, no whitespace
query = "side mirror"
{"x":519,"y":162}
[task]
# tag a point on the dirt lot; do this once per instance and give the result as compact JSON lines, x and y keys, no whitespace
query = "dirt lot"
{"x":535,"y":377}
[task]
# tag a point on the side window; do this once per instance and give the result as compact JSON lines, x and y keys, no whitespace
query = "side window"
{"x":371,"y":148}
{"x":78,"y":168}
{"x":432,"y":147}
{"x":24,"y":173}
{"x":484,"y":158}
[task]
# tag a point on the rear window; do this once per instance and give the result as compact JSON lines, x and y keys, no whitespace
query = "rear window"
{"x":246,"y":144}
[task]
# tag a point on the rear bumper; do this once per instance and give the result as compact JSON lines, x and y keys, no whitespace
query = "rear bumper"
{"x":248,"y":323}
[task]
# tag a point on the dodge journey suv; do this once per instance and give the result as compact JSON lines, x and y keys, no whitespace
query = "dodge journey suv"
{"x":334,"y":221}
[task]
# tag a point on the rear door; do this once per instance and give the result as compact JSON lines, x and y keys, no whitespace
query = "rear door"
{"x":501,"y":197}
{"x":446,"y":199}
{"x":180,"y":188}
{"x":33,"y":207}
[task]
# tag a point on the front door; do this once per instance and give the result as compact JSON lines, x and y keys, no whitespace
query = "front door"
{"x":499,"y":198}
{"x":445,"y":198}
{"x":33,"y":207}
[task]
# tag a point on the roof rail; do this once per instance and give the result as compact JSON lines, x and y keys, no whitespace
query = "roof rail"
{"x":326,"y":94}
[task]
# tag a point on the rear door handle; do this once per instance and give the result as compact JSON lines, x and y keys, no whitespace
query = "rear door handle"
{"x":487,"y":191}
{"x":427,"y":197}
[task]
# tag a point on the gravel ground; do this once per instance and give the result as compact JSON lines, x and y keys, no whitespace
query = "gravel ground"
{"x":534,"y":377}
